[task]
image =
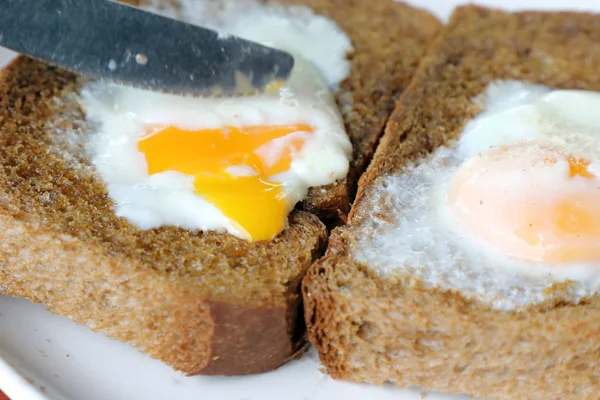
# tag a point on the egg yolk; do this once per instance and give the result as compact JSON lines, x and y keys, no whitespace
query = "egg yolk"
{"x":252,"y":200}
{"x":530,"y":205}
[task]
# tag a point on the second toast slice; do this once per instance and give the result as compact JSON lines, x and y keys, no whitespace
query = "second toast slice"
{"x":374,"y":317}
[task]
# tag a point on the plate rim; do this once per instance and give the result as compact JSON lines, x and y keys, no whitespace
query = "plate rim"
{"x":15,"y":385}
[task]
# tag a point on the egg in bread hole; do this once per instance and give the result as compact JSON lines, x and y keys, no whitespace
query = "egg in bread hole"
{"x":506,"y":211}
{"x":230,"y":164}
{"x":530,"y":201}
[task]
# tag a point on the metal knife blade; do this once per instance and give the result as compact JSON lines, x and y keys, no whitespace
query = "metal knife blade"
{"x":105,"y":39}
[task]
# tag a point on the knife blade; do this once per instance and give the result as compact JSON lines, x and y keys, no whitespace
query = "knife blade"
{"x":105,"y":39}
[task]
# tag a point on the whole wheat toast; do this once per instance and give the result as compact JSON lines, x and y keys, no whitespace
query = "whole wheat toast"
{"x":401,"y":329}
{"x":201,"y":302}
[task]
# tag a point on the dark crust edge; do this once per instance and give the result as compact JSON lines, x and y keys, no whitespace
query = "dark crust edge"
{"x":252,"y":341}
{"x":248,"y":341}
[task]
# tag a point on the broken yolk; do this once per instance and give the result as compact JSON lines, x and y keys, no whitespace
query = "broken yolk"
{"x":579,"y":166}
{"x":253,"y":201}
{"x":529,"y":207}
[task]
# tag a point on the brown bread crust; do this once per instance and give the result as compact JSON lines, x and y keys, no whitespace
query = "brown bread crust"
{"x":201,"y":302}
{"x":389,"y":40}
{"x":369,"y":329}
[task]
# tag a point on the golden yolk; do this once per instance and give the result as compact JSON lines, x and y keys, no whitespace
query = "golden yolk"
{"x":253,"y":202}
{"x":529,"y":208}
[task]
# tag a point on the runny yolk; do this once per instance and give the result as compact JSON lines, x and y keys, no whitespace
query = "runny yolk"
{"x":529,"y":209}
{"x":253,"y":201}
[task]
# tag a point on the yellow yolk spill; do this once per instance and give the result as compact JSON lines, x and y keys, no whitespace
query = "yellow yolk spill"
{"x":579,"y":166}
{"x":562,"y":227}
{"x":253,"y":202}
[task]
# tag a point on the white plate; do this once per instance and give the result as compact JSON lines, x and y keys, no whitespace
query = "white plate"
{"x":45,"y":357}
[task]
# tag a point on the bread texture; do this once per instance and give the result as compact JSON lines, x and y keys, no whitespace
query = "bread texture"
{"x":389,"y":40}
{"x":399,"y":329}
{"x":204,"y":303}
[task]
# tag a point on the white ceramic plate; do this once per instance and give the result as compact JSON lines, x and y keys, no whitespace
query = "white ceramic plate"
{"x":45,"y":357}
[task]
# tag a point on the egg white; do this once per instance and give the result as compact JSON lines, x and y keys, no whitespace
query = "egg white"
{"x":424,"y":240}
{"x":123,"y":114}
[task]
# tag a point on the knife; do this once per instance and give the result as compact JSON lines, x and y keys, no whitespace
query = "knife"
{"x":109,"y":40}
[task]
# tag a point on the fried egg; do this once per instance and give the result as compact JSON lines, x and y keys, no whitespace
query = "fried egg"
{"x":532,"y":193}
{"x":229,"y":164}
{"x":505,"y":211}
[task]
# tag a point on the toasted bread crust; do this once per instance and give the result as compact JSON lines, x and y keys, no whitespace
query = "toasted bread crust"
{"x":371,"y":329}
{"x":201,"y":302}
{"x":389,"y":40}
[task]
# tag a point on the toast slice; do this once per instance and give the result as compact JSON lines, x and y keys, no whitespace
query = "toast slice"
{"x":204,"y":303}
{"x":374,"y":327}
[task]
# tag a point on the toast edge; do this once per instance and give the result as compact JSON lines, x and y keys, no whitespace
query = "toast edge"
{"x":270,"y":337}
{"x":206,"y":337}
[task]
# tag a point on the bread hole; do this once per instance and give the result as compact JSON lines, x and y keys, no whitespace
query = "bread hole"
{"x":525,"y":70}
{"x":368,"y":330}
{"x":376,"y":95}
{"x":313,"y":317}
{"x":458,"y":369}
{"x":454,"y":60}
{"x":526,"y":52}
{"x":581,"y":367}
